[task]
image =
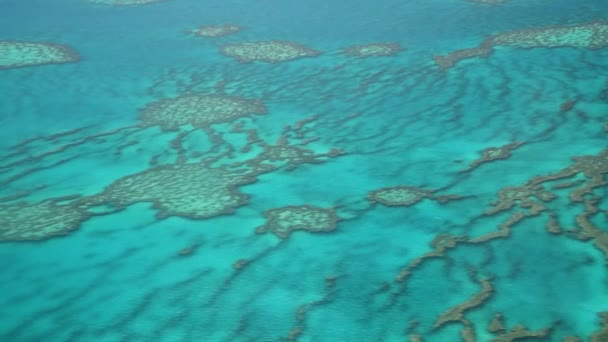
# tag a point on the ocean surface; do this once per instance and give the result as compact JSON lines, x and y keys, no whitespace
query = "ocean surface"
{"x":230,"y":170}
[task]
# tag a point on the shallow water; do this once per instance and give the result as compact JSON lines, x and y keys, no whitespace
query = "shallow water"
{"x":134,"y":177}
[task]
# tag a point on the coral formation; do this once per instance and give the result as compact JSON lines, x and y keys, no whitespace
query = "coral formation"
{"x":198,"y":110}
{"x":593,"y":167}
{"x":189,"y":190}
{"x":302,"y":311}
{"x":290,"y":155}
{"x":494,"y":153}
{"x":282,"y":221}
{"x":16,"y":54}
{"x":37,"y":221}
{"x":189,"y":250}
{"x":552,"y":225}
{"x":533,"y":198}
{"x":283,"y":153}
{"x":524,"y":196}
{"x":267,"y":51}
{"x":374,"y":49}
{"x":567,"y":106}
{"x":449,"y":60}
{"x":497,"y":325}
{"x":601,"y":335}
{"x":456,"y":313}
{"x":399,"y":195}
{"x":591,"y":36}
{"x":405,"y":196}
{"x":215,"y":31}
{"x":240,"y":264}
{"x":468,"y":331}
{"x":415,"y":338}
{"x":520,"y":332}
{"x":440,"y":244}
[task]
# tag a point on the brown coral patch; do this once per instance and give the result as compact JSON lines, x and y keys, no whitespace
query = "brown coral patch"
{"x":520,"y":332}
{"x":282,"y":221}
{"x":38,"y":221}
{"x":267,"y":51}
{"x":497,"y":325}
{"x":189,"y":190}
{"x":215,"y":31}
{"x":17,"y":54}
{"x":526,"y":196}
{"x":373,"y":50}
{"x":283,"y":153}
{"x":406,"y":196}
{"x":399,"y":195}
{"x":456,"y":313}
{"x":449,"y":60}
{"x":602,"y":334}
{"x":553,"y":225}
{"x":240,"y":264}
{"x":198,"y":110}
{"x":441,"y":244}
{"x":591,"y":36}
{"x":468,"y":331}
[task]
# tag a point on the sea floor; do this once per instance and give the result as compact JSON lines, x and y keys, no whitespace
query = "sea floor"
{"x":319,"y":171}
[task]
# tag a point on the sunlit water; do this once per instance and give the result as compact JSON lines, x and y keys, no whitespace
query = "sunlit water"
{"x":177,"y":257}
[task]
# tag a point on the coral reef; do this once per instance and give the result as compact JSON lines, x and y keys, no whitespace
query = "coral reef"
{"x":300,"y":321}
{"x":399,"y":195}
{"x":415,"y":338}
{"x":567,"y":106}
{"x":468,"y":331}
{"x":37,"y":221}
{"x":240,"y":264}
{"x":215,"y":31}
{"x":267,"y":51}
{"x":283,"y":153}
{"x":449,"y":60}
{"x":520,"y":332}
{"x":405,"y":196}
{"x":553,"y":225}
{"x":374,"y":49}
{"x":189,"y":190}
{"x":494,"y":153}
{"x":497,"y":325}
{"x":525,"y":196}
{"x":198,"y":110}
{"x":601,"y":335}
{"x":292,"y":156}
{"x":282,"y":221}
{"x":189,"y":250}
{"x":593,"y":167}
{"x":441,"y":243}
{"x":456,"y":313}
{"x":16,"y":54}
{"x":591,"y":36}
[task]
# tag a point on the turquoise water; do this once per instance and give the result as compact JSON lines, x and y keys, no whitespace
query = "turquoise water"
{"x":119,"y":271}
